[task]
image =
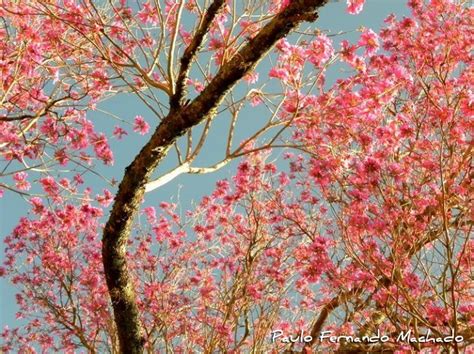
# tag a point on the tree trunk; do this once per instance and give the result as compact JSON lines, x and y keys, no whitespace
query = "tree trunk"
{"x":179,"y":120}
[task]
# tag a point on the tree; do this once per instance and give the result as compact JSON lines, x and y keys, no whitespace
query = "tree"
{"x":367,"y":229}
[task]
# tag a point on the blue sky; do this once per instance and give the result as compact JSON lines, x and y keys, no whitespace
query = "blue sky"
{"x":185,"y":188}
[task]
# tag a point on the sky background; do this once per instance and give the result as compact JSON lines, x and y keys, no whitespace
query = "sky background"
{"x":185,"y":189}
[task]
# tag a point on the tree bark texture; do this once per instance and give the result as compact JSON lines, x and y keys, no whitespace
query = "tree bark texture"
{"x":179,"y":120}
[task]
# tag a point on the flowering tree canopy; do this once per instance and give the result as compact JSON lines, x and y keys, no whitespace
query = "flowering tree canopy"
{"x":363,"y":227}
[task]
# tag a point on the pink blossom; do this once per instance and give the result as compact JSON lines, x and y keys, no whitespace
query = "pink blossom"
{"x":437,"y":315}
{"x":105,"y":199}
{"x":320,"y":50}
{"x":61,"y":156}
{"x":78,"y":179}
{"x":371,"y":165}
{"x":148,"y":14}
{"x":255,"y":98}
{"x":140,"y":125}
{"x":198,"y":86}
{"x":215,"y":43}
{"x":102,"y":148}
{"x":150,"y":213}
{"x":347,"y":51}
{"x":119,"y":132}
{"x":37,"y":204}
{"x":369,"y":40}
{"x":21,"y":182}
{"x":49,"y":186}
{"x":251,"y":78}
{"x":355,"y":6}
{"x":278,"y":73}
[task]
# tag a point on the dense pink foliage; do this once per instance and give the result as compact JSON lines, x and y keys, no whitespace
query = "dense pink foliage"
{"x":373,"y":207}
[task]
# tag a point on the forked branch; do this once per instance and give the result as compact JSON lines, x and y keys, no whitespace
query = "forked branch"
{"x":177,"y":123}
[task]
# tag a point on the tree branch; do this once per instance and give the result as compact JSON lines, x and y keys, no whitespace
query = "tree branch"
{"x":184,"y":168}
{"x":137,"y":174}
{"x":191,"y":50}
